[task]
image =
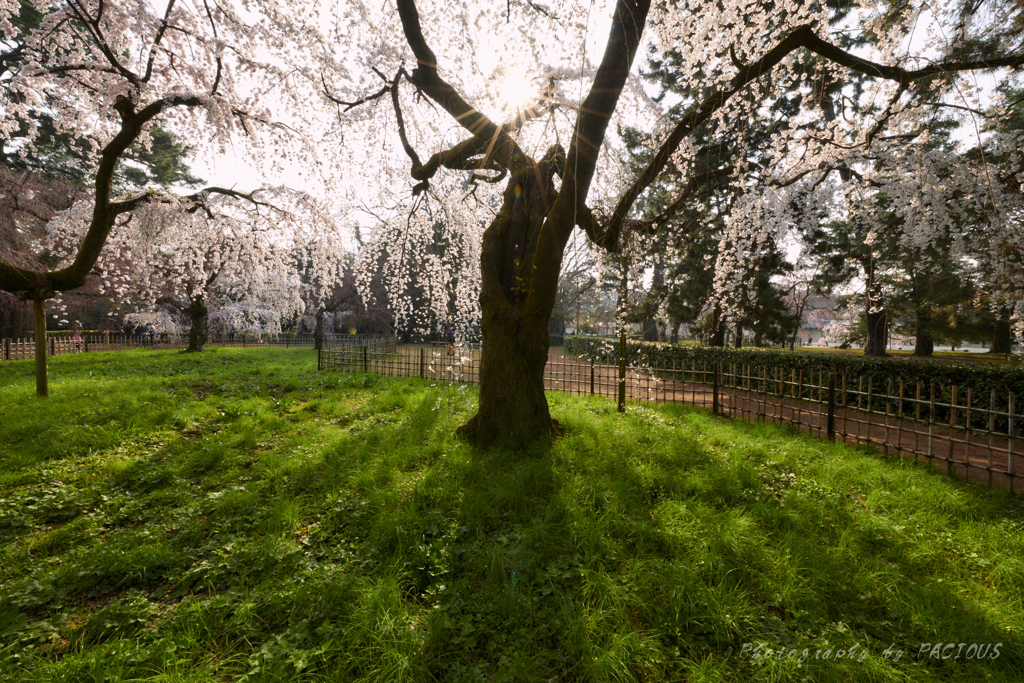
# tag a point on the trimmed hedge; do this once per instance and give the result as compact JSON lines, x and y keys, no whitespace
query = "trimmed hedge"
{"x":979,"y":378}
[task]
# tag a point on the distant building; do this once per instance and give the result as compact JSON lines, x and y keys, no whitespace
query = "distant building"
{"x":818,"y":312}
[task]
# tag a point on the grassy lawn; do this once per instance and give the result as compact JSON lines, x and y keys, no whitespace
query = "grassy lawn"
{"x":238,"y":516}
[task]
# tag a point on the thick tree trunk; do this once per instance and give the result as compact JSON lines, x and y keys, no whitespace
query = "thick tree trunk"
{"x":675,"y":333}
{"x":758,"y":339}
{"x":1002,"y":336}
{"x":739,"y":335}
{"x":42,"y":381}
{"x":197,"y":314}
{"x":874,"y":342}
{"x":513,"y":408}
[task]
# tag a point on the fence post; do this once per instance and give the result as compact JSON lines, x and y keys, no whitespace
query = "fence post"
{"x":899,"y":424}
{"x":1012,"y":436}
{"x":622,"y":370}
{"x":831,"y":425}
{"x":764,"y":393}
{"x":867,"y":416}
{"x":366,"y":359}
{"x":591,"y":376}
{"x":931,"y":420}
{"x":714,"y":388}
{"x":7,"y":349}
{"x":950,"y":469}
{"x":423,"y":354}
{"x":53,"y":346}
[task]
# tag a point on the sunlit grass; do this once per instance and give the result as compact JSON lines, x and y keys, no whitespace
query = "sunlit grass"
{"x":237,"y":515}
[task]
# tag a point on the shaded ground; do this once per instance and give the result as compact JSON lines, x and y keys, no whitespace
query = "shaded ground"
{"x":236,"y":515}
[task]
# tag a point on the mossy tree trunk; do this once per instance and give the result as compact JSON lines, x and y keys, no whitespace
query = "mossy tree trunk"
{"x":717,"y":328}
{"x":318,"y":331}
{"x":513,"y":408}
{"x":923,"y":344}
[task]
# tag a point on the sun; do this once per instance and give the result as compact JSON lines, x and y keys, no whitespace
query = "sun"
{"x":518,"y":90}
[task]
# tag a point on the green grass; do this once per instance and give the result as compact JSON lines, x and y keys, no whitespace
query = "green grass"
{"x":236,"y":515}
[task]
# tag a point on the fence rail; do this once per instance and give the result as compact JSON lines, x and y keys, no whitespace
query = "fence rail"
{"x":974,"y":437}
{"x":58,"y":343}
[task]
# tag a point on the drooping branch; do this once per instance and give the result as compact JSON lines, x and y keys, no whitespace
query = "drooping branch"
{"x":196,"y":200}
{"x":220,"y":61}
{"x":355,"y":103}
{"x":92,"y":25}
{"x":696,"y":116}
{"x":895,"y":73}
{"x":608,"y":238}
{"x":472,"y":154}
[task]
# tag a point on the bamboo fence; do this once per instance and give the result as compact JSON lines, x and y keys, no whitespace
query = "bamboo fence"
{"x":970,"y":436}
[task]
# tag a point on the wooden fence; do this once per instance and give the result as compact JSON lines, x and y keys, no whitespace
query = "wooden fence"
{"x":967,"y":435}
{"x":62,"y":342}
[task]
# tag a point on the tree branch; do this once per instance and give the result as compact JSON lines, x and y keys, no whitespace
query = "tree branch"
{"x":801,"y":37}
{"x":156,"y":41}
{"x":426,"y":78}
{"x":93,"y":27}
{"x":628,"y":22}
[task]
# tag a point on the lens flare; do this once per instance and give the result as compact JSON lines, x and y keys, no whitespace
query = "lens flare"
{"x":518,"y":90}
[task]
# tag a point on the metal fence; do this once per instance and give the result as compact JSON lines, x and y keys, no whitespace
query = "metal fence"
{"x":971,"y":436}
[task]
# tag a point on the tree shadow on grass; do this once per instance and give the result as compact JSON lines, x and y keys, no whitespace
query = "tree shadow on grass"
{"x":653,"y":563}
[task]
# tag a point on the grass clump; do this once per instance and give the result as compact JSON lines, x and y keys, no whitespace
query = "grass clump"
{"x":236,"y":515}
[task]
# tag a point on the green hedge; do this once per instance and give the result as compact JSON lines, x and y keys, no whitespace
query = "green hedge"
{"x":980,"y":378}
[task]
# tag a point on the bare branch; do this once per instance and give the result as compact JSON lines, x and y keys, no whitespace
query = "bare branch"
{"x":356,"y":103}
